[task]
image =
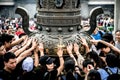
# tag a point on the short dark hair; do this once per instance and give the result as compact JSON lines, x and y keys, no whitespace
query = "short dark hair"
{"x":96,"y":58}
{"x":69,"y":64}
{"x":9,"y":55}
{"x":107,"y":37}
{"x":93,"y":75}
{"x":6,"y":38}
{"x":100,"y":45}
{"x":111,"y":60}
{"x":86,"y":62}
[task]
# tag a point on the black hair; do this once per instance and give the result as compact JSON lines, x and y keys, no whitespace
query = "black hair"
{"x":99,"y":62}
{"x":107,"y":37}
{"x":93,"y":75}
{"x":101,"y":45}
{"x":9,"y":55}
{"x":6,"y":38}
{"x":69,"y":67}
{"x":69,"y":64}
{"x":69,"y":75}
{"x":111,"y":60}
{"x":86,"y":62}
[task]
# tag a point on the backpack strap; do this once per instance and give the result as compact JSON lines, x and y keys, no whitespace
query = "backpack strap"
{"x":108,"y":71}
{"x":76,"y":76}
{"x":63,"y":77}
{"x":47,"y":73}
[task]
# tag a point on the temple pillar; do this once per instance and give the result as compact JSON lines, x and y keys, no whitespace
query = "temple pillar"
{"x":117,"y":15}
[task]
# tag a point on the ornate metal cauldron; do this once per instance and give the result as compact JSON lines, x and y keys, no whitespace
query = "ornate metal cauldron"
{"x":59,"y":22}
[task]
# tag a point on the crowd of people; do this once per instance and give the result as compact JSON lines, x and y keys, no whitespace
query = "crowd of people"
{"x":23,"y":58}
{"x":106,"y":22}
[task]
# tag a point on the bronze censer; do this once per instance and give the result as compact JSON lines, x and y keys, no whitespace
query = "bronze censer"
{"x":59,"y":22}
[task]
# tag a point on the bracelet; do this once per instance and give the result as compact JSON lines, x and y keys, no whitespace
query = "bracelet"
{"x":60,"y":56}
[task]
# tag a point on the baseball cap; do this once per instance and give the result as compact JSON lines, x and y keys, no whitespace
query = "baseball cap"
{"x":27,"y":64}
{"x":46,"y":60}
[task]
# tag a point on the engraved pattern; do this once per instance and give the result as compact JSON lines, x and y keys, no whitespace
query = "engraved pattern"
{"x":67,"y":4}
{"x":59,"y":25}
{"x":59,"y":22}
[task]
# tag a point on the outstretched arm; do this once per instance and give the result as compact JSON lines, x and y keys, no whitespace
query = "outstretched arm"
{"x":27,"y":52}
{"x":41,"y":49}
{"x":36,"y":57}
{"x":69,"y":50}
{"x":80,"y":58}
{"x":85,"y":44}
{"x":60,"y":55}
{"x":23,"y":48}
{"x":107,"y":44}
{"x":18,"y":41}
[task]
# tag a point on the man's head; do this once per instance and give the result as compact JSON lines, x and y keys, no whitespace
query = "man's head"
{"x":6,"y":39}
{"x":103,"y":47}
{"x":117,"y":35}
{"x":111,"y":60}
{"x":48,"y":61}
{"x":28,"y":64}
{"x":93,"y":75}
{"x":108,"y":37}
{"x":87,"y":65}
{"x":9,"y":61}
{"x":69,"y":64}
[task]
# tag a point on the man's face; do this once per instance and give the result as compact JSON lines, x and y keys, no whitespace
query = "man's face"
{"x":11,"y":64}
{"x":117,"y":36}
{"x":105,"y":50}
{"x":2,"y":50}
{"x":7,"y":44}
{"x":50,"y":66}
